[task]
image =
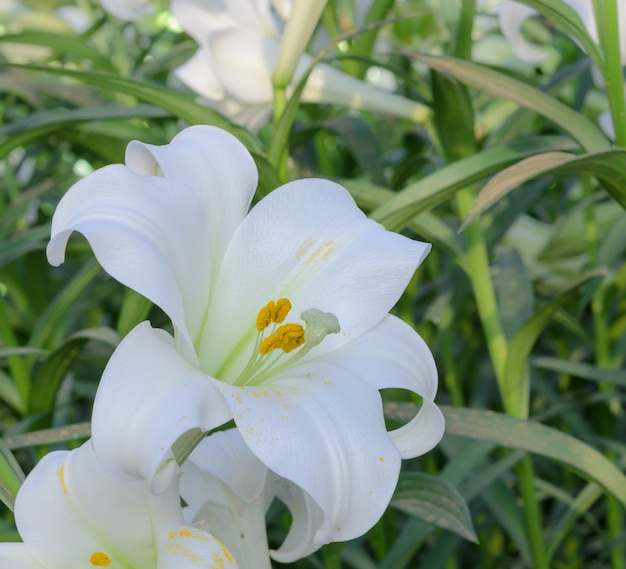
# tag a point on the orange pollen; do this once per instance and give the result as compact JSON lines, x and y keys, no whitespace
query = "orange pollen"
{"x":283,"y":306}
{"x":287,"y":337}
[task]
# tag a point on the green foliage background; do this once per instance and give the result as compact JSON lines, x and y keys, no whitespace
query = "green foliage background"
{"x":522,"y":300}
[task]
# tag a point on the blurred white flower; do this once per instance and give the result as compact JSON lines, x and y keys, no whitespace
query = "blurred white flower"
{"x":239,"y":45}
{"x":128,"y":10}
{"x":512,"y":15}
{"x":71,"y":514}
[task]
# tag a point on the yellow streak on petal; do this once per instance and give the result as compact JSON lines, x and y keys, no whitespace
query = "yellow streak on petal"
{"x":61,"y":473}
{"x":322,"y":253}
{"x":304,"y":248}
{"x":100,"y":559}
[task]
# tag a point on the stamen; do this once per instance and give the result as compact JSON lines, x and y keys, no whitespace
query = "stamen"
{"x":99,"y":559}
{"x":264,"y":317}
{"x":287,"y":338}
{"x":272,"y":312}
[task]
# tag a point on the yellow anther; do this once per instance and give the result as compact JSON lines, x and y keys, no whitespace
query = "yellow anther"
{"x":286,"y":338}
{"x":99,"y":559}
{"x":272,"y":312}
{"x":283,"y":306}
{"x":265,"y":316}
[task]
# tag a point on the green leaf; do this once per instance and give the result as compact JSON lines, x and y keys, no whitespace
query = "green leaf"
{"x":497,"y":84}
{"x":62,"y":43}
{"x":24,"y":242}
{"x":609,"y":167}
{"x":57,"y":309}
{"x":11,"y":476}
{"x":55,"y":435}
{"x":135,"y":309}
{"x":435,"y":501}
{"x":514,"y":290}
{"x":52,"y":370}
{"x":454,"y":117}
{"x":177,"y":104}
{"x":23,"y":132}
{"x":582,"y":370}
{"x":436,"y":188}
{"x":527,"y":435}
{"x":516,"y":387}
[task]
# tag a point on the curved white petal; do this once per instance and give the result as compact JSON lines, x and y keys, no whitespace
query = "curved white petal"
{"x":237,"y":520}
{"x":511,"y":17}
{"x":17,"y":556}
{"x":68,"y":509}
{"x":223,"y":459}
{"x":186,"y":547}
{"x":197,"y":73}
{"x":222,"y":174}
{"x":307,"y":517}
{"x":128,"y":10}
{"x":308,"y":242}
{"x":322,"y":429}
{"x":332,"y":86}
{"x":146,"y":232}
{"x":392,"y":355}
{"x":225,"y":456}
{"x":148,"y":397}
{"x":244,"y":61}
{"x":199,"y":18}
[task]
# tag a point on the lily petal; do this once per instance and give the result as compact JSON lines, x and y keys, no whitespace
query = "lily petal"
{"x":146,"y":232}
{"x":156,"y":396}
{"x":308,"y":242}
{"x":185,"y":547}
{"x":392,"y":355}
{"x":319,"y":427}
{"x":17,"y":556}
{"x":212,"y":163}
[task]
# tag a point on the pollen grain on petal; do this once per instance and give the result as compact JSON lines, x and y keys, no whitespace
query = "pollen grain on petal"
{"x":100,"y":559}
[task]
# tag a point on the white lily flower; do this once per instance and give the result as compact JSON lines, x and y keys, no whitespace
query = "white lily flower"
{"x":72,"y":515}
{"x":172,"y":225}
{"x":512,"y":15}
{"x":128,"y":10}
{"x":231,"y":491}
{"x":239,"y":47}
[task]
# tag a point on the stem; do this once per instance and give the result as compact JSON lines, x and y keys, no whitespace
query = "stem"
{"x":484,"y":293}
{"x":17,"y":367}
{"x":602,"y":346}
{"x":608,"y":31}
{"x":526,"y":476}
{"x":482,"y":285}
{"x":280,"y":101}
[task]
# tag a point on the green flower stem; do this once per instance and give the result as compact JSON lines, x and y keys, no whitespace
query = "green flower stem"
{"x":608,"y":30}
{"x":280,"y":101}
{"x":602,"y":345}
{"x":331,"y":554}
{"x":17,"y":367}
{"x":484,"y":292}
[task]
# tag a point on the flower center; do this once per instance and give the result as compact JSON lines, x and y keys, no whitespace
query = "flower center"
{"x":275,"y":340}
